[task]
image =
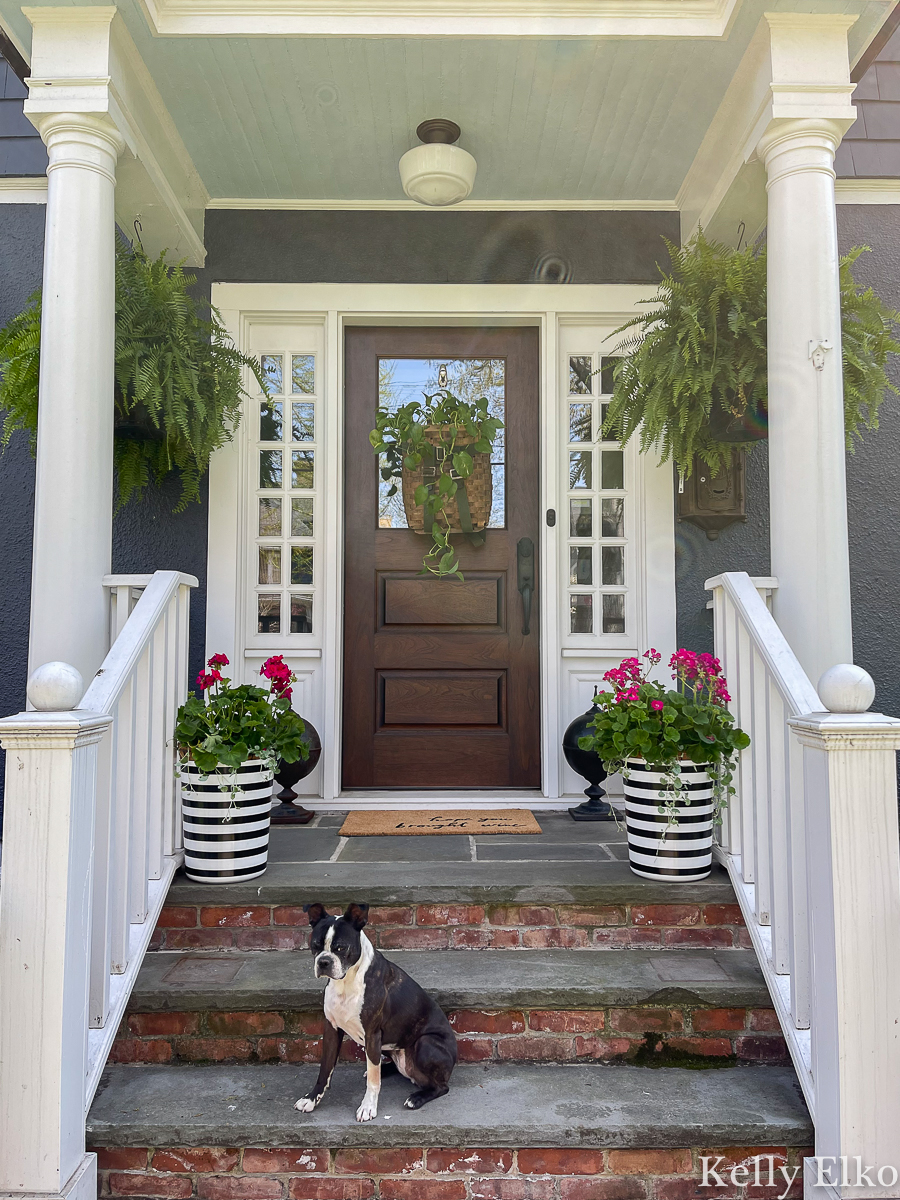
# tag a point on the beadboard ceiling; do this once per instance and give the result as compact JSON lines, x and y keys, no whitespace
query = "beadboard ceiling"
{"x":594,"y":121}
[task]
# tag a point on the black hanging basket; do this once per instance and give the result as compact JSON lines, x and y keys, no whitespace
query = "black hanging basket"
{"x":725,"y":426}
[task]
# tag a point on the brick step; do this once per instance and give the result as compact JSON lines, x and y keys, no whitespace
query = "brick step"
{"x":505,"y":1132}
{"x":550,"y":1006}
{"x":616,"y":917}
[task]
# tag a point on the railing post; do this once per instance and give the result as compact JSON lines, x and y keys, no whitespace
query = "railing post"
{"x":45,"y":940}
{"x":853,"y":855}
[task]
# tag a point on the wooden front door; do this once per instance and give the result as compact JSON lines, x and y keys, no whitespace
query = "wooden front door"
{"x":441,"y":684}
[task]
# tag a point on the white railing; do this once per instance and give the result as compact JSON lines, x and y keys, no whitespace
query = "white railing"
{"x":92,"y":838}
{"x":811,"y":844}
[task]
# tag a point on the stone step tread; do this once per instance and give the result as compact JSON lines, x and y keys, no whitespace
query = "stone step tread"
{"x":509,"y":1105}
{"x":381,"y":884}
{"x":239,"y":981}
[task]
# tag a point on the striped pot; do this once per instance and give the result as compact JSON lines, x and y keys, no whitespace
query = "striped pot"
{"x":660,"y":847}
{"x":226,"y":821}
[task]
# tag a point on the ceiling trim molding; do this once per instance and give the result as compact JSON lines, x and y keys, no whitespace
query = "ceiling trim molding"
{"x":867,"y":191}
{"x":454,"y":18}
{"x":301,"y":205}
{"x":23,"y":189}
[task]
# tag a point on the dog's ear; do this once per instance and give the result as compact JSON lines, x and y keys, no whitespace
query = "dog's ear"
{"x":315,"y":912}
{"x":357,"y":915}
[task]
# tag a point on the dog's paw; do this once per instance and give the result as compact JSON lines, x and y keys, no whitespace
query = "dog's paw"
{"x":411,"y":1103}
{"x":306,"y":1104}
{"x":368,"y":1110}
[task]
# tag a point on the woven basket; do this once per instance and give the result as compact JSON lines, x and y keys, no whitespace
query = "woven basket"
{"x":479,"y":486}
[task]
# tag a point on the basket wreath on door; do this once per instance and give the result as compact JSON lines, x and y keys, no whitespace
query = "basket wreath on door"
{"x":230,"y":740}
{"x":677,"y":751}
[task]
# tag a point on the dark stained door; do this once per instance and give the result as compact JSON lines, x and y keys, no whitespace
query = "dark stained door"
{"x":441,"y":685}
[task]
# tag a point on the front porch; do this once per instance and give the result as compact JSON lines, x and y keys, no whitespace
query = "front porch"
{"x":261,"y":143}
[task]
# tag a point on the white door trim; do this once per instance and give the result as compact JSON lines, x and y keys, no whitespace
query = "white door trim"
{"x":335,"y":306}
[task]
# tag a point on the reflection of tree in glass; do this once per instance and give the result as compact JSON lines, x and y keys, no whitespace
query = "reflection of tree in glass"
{"x":580,"y":469}
{"x":466,"y":378}
{"x":270,"y":468}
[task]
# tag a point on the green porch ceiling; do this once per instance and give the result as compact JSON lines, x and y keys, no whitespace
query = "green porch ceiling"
{"x":590,"y":120}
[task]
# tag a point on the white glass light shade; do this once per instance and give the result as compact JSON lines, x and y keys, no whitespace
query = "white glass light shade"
{"x":437,"y":173}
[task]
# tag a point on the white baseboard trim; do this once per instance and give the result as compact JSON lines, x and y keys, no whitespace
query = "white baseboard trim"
{"x":416,"y":801}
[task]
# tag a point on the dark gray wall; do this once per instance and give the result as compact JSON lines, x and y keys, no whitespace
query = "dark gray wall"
{"x":437,"y":247}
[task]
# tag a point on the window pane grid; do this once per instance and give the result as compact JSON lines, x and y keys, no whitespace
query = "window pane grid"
{"x":597,"y":559}
{"x":285,"y":516}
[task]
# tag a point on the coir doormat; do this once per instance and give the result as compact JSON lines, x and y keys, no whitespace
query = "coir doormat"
{"x":456,"y":820}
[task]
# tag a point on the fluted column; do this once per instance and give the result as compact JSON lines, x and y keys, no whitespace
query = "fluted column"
{"x":73,"y":491}
{"x":807,"y":487}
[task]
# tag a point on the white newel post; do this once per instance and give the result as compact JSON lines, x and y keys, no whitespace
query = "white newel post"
{"x":73,"y":488}
{"x":810,"y":112}
{"x":45,"y":924}
{"x":853,"y":856}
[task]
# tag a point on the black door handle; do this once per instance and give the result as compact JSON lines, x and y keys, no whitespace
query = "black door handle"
{"x":525,"y":565}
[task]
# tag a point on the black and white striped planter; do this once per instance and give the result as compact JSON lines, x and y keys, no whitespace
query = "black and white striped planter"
{"x":226,"y":821}
{"x":660,"y":847}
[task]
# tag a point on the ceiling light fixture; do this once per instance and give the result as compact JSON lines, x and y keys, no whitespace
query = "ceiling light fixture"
{"x":437,"y":172}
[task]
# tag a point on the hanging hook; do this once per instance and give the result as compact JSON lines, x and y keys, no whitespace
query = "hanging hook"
{"x":138,"y":230}
{"x":742,"y":228}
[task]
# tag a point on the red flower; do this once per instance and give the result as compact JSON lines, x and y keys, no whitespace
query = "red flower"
{"x":276,"y":670}
{"x":656,"y":705}
{"x":205,"y":680}
{"x":218,"y":660}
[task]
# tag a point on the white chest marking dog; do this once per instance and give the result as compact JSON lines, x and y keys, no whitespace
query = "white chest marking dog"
{"x":344,"y":997}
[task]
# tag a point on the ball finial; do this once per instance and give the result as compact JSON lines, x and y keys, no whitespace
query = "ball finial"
{"x":846,"y":688}
{"x":55,"y":687}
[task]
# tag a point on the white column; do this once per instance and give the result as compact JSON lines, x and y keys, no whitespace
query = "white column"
{"x":45,"y":926}
{"x":853,"y":872}
{"x":807,"y":488}
{"x":73,"y":489}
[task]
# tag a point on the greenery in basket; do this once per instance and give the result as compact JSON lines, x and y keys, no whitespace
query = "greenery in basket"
{"x":227,"y":725}
{"x":178,"y":376}
{"x":701,"y":353}
{"x":399,"y":436}
{"x":641,"y":718}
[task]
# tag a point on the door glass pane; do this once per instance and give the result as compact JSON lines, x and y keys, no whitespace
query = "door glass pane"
{"x":612,"y":517}
{"x":580,"y":422}
{"x":580,"y":381}
{"x":270,"y":421}
{"x":301,"y":516}
{"x":301,"y":614}
{"x":580,"y":523}
{"x":580,"y":469}
{"x":612,"y":565}
{"x":612,"y":474}
{"x":581,"y":565}
{"x":303,"y":468}
{"x":301,"y":564}
{"x":613,"y":612}
{"x":303,"y":421}
{"x":270,"y":517}
{"x":270,"y":564}
{"x":607,"y":375}
{"x":270,"y":468}
{"x":268,"y":614}
{"x":273,"y":373}
{"x":581,"y":614}
{"x":303,"y":373}
{"x":401,"y":380}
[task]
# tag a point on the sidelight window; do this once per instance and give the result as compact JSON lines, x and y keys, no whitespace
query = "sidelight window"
{"x":286,"y":437}
{"x":598,"y":563}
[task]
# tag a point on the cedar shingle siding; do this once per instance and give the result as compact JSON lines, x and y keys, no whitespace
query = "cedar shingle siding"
{"x":21,"y":150}
{"x":871,"y":147}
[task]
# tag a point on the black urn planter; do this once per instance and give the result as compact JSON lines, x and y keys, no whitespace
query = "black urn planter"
{"x":290,"y":774}
{"x":586,"y":764}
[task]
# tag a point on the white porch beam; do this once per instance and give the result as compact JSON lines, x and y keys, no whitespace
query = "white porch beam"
{"x":807,"y":116}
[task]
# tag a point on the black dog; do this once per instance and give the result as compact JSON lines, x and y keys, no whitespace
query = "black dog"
{"x":381,"y":1008}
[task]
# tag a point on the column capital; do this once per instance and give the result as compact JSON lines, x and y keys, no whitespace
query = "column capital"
{"x":790,"y":145}
{"x":847,"y":731}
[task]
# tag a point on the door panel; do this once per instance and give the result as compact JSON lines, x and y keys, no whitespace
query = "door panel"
{"x":441,"y":686}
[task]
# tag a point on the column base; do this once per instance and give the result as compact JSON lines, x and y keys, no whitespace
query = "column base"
{"x":81,"y":1186}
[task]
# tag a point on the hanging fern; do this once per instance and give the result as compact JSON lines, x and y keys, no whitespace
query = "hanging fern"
{"x":179,"y":386}
{"x":701,"y":354}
